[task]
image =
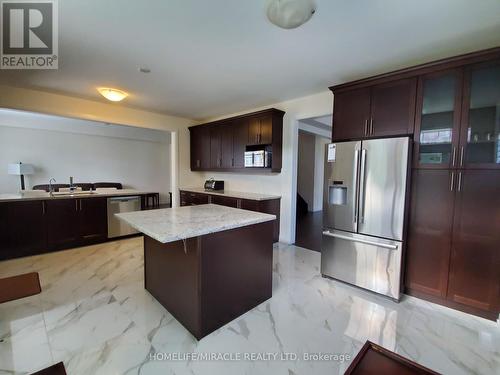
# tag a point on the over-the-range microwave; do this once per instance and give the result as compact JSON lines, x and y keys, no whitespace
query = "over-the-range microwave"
{"x":258,"y":159}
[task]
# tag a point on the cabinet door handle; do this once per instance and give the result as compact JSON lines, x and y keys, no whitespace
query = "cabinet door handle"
{"x":366,"y":127}
{"x":459,"y":188}
{"x":454,"y":156}
{"x":371,"y":125}
{"x":76,"y":205}
{"x":232,"y":162}
{"x":81,"y":209}
{"x":462,"y":156}
{"x":452,"y":179}
{"x":43,"y":207}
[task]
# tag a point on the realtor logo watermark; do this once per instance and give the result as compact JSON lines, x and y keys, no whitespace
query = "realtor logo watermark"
{"x":29,"y":34}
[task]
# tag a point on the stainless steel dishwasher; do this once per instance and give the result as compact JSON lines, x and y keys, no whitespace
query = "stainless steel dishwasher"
{"x":118,"y":228}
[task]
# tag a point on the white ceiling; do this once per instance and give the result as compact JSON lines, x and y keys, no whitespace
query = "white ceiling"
{"x":210,"y":58}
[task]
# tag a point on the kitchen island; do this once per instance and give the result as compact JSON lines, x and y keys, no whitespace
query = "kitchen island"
{"x":206,"y":264}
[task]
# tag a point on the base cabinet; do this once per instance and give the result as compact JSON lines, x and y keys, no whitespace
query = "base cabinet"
{"x":23,"y":231}
{"x":93,"y":223}
{"x":270,"y":206}
{"x":429,"y":237}
{"x":62,"y":229}
{"x":475,"y":260}
{"x":453,"y":254}
{"x":40,"y":226}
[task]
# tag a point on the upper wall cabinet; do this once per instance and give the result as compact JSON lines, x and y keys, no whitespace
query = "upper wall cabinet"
{"x":221,"y":145}
{"x":200,"y":148}
{"x":350,"y":114}
{"x":437,"y":123}
{"x":387,"y":109}
{"x":480,"y":130}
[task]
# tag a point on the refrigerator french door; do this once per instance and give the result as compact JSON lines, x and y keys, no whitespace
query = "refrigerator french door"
{"x":363,"y":213}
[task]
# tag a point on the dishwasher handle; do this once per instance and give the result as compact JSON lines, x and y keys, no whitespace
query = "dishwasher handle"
{"x":123,"y":199}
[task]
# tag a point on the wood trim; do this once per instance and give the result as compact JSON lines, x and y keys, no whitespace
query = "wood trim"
{"x":447,"y":63}
{"x":273,"y":111}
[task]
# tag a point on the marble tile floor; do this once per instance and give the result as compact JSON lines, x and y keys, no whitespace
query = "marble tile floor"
{"x":95,"y":315}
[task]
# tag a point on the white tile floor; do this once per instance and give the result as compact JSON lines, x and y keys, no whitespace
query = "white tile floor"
{"x":95,"y":315}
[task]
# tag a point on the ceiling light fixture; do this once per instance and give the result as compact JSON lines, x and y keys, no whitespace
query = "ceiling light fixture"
{"x":112,"y":94}
{"x":289,"y":14}
{"x":144,"y":69}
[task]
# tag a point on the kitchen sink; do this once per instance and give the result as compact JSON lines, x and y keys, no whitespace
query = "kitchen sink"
{"x":72,"y":193}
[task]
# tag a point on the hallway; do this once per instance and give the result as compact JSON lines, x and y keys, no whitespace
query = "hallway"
{"x":308,"y":230}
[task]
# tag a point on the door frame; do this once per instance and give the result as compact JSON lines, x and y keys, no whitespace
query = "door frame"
{"x":298,"y":124}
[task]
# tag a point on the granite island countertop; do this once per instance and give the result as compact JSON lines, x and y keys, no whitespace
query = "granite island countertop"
{"x":179,"y":223}
{"x":233,"y":194}
{"x":42,"y":195}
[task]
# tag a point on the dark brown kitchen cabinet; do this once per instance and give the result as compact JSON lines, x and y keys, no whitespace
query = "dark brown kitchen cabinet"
{"x":62,"y":223}
{"x":386,"y":109}
{"x":215,"y":147}
{"x":93,"y":223}
{"x":4,"y":237}
{"x":453,"y":256}
{"x":268,"y":206}
{"x":430,"y":232}
{"x":189,"y":198}
{"x":437,"y":122}
{"x":23,"y":229}
{"x":475,"y":261}
{"x":200,"y":148}
{"x":393,"y":108}
{"x":351,"y":114}
{"x":224,"y":201}
{"x":260,"y":130}
{"x":221,"y":145}
{"x":240,"y":139}
{"x":480,"y":130}
{"x":227,"y":146}
{"x":76,"y":222}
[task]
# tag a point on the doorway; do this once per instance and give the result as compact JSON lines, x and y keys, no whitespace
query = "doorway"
{"x":314,"y":134}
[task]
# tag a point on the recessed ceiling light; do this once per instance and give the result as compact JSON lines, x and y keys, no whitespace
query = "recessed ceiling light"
{"x":112,"y":94}
{"x":144,"y":69}
{"x":289,"y":14}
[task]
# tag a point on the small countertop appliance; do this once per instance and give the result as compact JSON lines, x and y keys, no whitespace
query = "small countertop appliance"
{"x":214,"y":184}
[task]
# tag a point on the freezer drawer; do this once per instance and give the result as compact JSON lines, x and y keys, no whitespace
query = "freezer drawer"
{"x":367,"y":262}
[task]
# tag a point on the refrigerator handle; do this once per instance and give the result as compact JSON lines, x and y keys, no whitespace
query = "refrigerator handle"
{"x":362,"y":187}
{"x":355,"y":190}
{"x":360,"y":240}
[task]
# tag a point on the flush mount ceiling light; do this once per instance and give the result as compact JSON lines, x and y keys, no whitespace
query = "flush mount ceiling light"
{"x":112,"y":94}
{"x":289,"y":14}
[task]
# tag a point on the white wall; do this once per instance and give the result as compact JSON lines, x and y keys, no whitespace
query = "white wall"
{"x":100,"y":110}
{"x":89,"y":151}
{"x":305,"y":168}
{"x":284,"y":183}
{"x":319,"y":171}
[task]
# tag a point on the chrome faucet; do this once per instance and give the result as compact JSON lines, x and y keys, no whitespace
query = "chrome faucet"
{"x":72,"y":187}
{"x":51,"y":188}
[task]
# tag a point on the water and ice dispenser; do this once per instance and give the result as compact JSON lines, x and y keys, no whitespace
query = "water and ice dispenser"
{"x":337,"y":193}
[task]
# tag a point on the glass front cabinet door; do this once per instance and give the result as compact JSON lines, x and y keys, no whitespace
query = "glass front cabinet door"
{"x":480,"y":133}
{"x":438,"y":120}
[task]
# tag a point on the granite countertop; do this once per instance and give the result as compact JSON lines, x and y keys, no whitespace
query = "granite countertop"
{"x":178,"y":223}
{"x":42,"y":195}
{"x":234,"y":194}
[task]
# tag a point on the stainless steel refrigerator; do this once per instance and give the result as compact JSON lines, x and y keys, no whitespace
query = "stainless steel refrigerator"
{"x":363,"y":213}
